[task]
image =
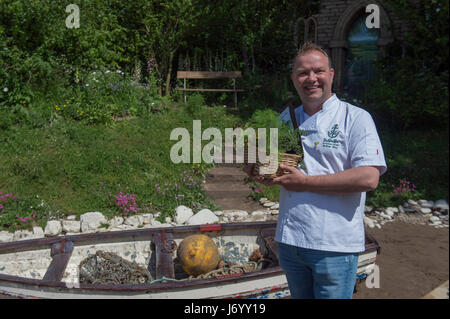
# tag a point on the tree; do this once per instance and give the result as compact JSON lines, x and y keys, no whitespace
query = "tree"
{"x":159,"y":29}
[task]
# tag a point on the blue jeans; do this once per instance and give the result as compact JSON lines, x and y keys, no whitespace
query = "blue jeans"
{"x":316,"y":274}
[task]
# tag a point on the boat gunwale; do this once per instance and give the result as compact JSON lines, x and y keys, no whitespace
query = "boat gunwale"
{"x":83,"y":239}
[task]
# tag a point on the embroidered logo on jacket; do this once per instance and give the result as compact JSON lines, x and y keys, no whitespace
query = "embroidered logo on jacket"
{"x":332,"y":142}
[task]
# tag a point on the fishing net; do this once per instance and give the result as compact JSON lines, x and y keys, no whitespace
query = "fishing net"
{"x":109,"y":268}
{"x":227,"y":268}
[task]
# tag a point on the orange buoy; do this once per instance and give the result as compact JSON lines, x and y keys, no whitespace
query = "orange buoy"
{"x":198,"y":254}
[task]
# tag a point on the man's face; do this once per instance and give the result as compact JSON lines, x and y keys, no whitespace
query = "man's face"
{"x":313,"y":78}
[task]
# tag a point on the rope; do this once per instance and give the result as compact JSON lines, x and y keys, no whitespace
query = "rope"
{"x":109,"y":268}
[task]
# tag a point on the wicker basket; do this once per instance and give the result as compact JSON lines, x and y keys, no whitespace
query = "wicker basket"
{"x":284,"y":158}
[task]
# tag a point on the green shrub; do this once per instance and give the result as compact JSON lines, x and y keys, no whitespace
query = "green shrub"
{"x":23,"y":212}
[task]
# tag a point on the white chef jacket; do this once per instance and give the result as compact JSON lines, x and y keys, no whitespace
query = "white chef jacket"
{"x":338,"y":137}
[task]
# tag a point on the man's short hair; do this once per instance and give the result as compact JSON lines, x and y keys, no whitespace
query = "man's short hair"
{"x":310,"y":46}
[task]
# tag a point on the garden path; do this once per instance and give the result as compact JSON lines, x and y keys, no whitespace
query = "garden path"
{"x":227,"y":186}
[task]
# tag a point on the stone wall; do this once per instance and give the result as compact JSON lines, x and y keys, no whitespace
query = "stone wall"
{"x":334,"y":19}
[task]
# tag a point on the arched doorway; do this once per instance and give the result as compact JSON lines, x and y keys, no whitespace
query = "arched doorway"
{"x":362,"y":52}
{"x":339,"y":45}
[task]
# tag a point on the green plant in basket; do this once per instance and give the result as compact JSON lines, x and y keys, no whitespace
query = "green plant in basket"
{"x":289,"y":140}
{"x":261,"y":119}
{"x":289,"y":143}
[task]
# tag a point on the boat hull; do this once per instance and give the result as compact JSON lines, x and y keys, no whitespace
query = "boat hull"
{"x":58,"y":277}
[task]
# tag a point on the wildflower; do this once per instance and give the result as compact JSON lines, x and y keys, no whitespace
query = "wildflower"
{"x":5,"y":89}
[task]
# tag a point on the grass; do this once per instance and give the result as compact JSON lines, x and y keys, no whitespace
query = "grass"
{"x":75,"y":168}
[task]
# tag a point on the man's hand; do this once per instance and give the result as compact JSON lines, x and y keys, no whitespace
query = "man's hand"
{"x":249,"y":169}
{"x":294,"y":181}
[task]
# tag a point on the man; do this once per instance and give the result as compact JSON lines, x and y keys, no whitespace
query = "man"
{"x":320,"y":228}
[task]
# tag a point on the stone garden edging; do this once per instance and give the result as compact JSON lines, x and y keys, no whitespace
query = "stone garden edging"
{"x":418,"y":212}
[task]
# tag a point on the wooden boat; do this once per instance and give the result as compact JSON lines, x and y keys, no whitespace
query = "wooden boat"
{"x":53,"y":263}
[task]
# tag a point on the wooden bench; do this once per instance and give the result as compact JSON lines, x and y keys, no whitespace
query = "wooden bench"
{"x":209,"y":75}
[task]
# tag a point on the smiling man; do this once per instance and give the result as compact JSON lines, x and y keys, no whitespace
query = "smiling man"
{"x":320,"y":227}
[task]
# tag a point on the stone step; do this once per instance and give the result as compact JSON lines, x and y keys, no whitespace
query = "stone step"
{"x":229,"y":186}
{"x":226,"y":174}
{"x":228,"y":194}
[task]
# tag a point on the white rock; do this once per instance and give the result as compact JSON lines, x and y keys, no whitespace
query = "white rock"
{"x":385,"y":216}
{"x":268,"y":204}
{"x":263,"y":200}
{"x":123,"y":227}
{"x":441,"y":204}
{"x":71,"y":217}
{"x":389,"y":212}
{"x":53,"y":228}
{"x":168,"y":220}
{"x":434,"y":219}
{"x":205,"y":216}
{"x":378,"y":226}
{"x":154,"y":222}
{"x":437,"y":223}
{"x":393,"y":209}
{"x":6,"y":237}
{"x":91,"y":221}
{"x":134,"y":221}
{"x":116,"y":221}
{"x":218,"y":212}
{"x":369,"y":222}
{"x":274,"y":212}
{"x":425,"y":210}
{"x":146,"y":218}
{"x":427,"y":204}
{"x":22,"y":234}
{"x":259,"y":212}
{"x":38,"y":232}
{"x":230,"y":213}
{"x":409,"y":210}
{"x":412,"y":202}
{"x":182,"y":214}
{"x":71,"y":226}
{"x":401,"y":209}
{"x":367,"y":209}
{"x":276,"y":206}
